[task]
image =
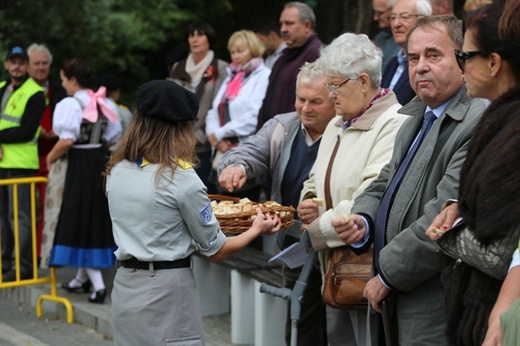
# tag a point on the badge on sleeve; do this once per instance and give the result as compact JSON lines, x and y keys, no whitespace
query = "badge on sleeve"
{"x":206,"y":213}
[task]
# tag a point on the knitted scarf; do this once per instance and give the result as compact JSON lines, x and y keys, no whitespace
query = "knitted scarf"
{"x":489,"y":193}
{"x":238,"y":74}
{"x":196,"y":70}
{"x":209,"y":75}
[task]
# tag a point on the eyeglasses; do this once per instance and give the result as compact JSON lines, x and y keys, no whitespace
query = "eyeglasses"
{"x":334,"y":88}
{"x":461,"y":57}
{"x":404,"y":17}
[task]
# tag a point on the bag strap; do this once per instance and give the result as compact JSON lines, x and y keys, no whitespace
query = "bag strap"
{"x":79,"y":102}
{"x":328,"y":198}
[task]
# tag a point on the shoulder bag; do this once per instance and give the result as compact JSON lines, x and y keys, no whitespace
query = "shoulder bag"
{"x":346,"y":272}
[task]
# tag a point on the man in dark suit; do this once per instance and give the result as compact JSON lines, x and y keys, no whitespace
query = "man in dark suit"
{"x":402,"y":18}
{"x":297,"y":27}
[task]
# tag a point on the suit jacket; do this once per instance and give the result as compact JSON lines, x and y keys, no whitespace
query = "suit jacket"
{"x":402,"y":88}
{"x":385,"y":40}
{"x":410,"y":262}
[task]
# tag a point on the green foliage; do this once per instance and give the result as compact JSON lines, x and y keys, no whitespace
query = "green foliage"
{"x":133,"y":38}
{"x":111,"y":35}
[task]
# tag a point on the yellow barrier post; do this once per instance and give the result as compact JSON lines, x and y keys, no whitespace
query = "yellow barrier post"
{"x":51,"y":279}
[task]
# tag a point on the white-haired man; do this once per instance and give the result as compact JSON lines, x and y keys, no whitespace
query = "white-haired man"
{"x":384,"y":38}
{"x":402,"y":18}
{"x":286,"y":148}
{"x":40,"y":60}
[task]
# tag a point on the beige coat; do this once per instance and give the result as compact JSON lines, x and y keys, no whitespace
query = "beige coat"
{"x":365,"y":147}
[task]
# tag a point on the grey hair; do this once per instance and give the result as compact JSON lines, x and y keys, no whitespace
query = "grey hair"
{"x":349,"y":55}
{"x":424,"y":7}
{"x":35,"y":47}
{"x":443,"y":23}
{"x":306,"y":13}
{"x":309,"y":73}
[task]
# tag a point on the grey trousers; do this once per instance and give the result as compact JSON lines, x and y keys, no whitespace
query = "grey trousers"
{"x":156,"y":308}
{"x":346,"y":327}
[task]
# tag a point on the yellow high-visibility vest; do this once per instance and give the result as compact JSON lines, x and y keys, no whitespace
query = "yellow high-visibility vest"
{"x":19,"y":155}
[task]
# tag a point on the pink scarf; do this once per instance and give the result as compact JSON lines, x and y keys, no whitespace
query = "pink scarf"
{"x":98,"y":99}
{"x":238,"y":73}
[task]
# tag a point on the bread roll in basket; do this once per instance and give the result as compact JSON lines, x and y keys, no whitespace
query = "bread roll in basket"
{"x":236,"y":215}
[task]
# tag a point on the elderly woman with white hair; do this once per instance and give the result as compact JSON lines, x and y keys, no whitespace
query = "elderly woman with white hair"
{"x":355,"y":146}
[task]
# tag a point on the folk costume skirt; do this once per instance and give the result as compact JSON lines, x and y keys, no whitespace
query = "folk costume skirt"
{"x":83,"y":235}
{"x":156,"y":307}
{"x":53,"y":199}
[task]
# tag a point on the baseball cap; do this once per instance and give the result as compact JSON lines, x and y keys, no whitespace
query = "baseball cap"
{"x":16,"y":51}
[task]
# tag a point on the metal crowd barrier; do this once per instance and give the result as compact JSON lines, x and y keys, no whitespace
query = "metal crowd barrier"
{"x":51,"y":279}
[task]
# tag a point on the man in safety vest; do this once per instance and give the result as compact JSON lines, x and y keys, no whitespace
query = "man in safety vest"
{"x":22,"y":105}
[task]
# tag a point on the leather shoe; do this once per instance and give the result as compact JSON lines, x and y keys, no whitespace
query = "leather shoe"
{"x":85,"y":287}
{"x":99,"y":297}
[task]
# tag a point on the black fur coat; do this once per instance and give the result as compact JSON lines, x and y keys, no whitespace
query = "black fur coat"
{"x":489,"y":202}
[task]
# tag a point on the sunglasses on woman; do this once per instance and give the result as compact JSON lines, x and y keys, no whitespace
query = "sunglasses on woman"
{"x":461,"y":57}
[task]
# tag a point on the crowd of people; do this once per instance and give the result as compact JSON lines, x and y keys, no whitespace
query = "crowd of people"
{"x":407,"y":138}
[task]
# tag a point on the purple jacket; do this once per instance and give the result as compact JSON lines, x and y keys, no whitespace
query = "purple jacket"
{"x":281,"y":92}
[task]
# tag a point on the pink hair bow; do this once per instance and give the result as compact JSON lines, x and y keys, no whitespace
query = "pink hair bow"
{"x":98,"y":99}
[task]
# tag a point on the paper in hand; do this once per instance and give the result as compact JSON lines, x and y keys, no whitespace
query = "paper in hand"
{"x":293,"y":256}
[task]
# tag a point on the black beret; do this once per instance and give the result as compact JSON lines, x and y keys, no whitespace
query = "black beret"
{"x":166,"y":100}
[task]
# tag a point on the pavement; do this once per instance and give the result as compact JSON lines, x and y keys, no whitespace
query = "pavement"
{"x":20,"y":326}
{"x":94,"y":316}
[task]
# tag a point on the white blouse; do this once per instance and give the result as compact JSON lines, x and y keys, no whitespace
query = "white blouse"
{"x":67,"y":118}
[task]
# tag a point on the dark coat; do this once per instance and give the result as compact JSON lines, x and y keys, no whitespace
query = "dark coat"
{"x":402,"y":89}
{"x":281,"y":92}
{"x":58,"y":93}
{"x":489,"y":204}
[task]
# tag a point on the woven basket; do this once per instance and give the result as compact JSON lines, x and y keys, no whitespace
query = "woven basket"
{"x":241,"y":220}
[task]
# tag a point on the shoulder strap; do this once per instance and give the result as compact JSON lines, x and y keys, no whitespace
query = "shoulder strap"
{"x":328,"y":198}
{"x":79,"y":101}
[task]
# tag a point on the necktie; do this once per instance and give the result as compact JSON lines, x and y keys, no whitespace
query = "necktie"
{"x":386,"y":201}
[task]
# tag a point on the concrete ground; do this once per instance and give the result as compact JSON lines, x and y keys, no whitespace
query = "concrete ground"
{"x":95,"y":317}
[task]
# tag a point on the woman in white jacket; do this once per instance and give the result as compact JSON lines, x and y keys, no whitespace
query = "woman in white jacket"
{"x":234,"y":113}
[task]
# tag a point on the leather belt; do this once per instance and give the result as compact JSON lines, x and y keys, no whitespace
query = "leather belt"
{"x":134,"y":263}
